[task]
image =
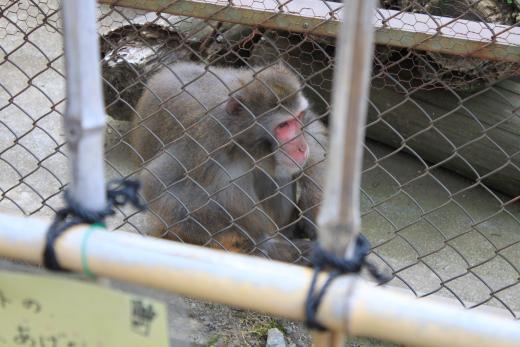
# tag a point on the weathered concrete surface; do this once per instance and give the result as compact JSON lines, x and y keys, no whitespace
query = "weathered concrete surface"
{"x":443,"y":233}
{"x":32,"y":165}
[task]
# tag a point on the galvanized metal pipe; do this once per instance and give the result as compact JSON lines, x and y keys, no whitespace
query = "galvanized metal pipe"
{"x":84,"y":115}
{"x":339,"y":217}
{"x":351,"y":305}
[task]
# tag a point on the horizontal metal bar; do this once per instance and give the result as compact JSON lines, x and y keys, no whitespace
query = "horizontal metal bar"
{"x":448,"y":35}
{"x":298,"y":16}
{"x":350,"y":304}
{"x":394,"y":28}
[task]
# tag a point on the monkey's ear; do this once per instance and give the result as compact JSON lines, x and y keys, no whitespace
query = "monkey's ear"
{"x":233,"y":105}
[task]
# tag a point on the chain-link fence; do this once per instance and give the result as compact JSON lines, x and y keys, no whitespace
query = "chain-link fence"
{"x":198,"y":109}
{"x":33,"y":165}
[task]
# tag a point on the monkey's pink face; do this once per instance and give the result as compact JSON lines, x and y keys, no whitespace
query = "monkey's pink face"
{"x":294,"y":147}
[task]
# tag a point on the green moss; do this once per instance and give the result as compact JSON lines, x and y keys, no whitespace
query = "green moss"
{"x":260,"y":330}
{"x":212,"y":342}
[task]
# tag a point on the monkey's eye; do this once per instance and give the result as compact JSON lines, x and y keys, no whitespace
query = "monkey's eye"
{"x":283,"y":125}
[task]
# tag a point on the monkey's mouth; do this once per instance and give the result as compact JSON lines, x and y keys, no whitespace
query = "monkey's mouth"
{"x":300,"y":156}
{"x":295,"y":152}
{"x":291,"y":162}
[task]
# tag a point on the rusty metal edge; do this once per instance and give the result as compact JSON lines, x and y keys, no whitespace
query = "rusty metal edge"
{"x":236,"y":14}
{"x":448,"y":45}
{"x":328,"y":25}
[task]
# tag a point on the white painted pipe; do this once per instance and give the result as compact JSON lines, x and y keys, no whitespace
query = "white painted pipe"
{"x":84,"y":119}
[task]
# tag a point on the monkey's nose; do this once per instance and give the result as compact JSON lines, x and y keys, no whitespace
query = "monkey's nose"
{"x":302,"y":149}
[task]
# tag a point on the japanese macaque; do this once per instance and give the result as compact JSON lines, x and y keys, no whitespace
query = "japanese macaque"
{"x":232,"y":158}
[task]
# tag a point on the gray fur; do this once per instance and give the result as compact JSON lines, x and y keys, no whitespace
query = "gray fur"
{"x":211,"y":171}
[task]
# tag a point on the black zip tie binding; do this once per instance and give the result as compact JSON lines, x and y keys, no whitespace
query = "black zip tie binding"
{"x":322,"y":259}
{"x":119,"y":193}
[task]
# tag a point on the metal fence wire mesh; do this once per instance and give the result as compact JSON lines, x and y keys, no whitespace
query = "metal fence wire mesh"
{"x":441,"y":163}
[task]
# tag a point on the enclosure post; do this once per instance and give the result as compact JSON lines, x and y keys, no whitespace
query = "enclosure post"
{"x":84,"y":115}
{"x":339,"y":219}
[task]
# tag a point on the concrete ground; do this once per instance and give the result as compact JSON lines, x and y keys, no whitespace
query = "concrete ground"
{"x":440,"y":234}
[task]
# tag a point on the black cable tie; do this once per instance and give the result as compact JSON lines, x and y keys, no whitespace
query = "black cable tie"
{"x":119,"y":193}
{"x":123,"y":192}
{"x":322,"y":259}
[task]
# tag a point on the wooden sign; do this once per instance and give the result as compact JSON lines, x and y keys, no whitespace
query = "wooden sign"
{"x":52,"y":311}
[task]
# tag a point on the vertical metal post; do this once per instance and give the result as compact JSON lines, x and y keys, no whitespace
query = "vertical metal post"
{"x":339,"y":218}
{"x":84,"y":115}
